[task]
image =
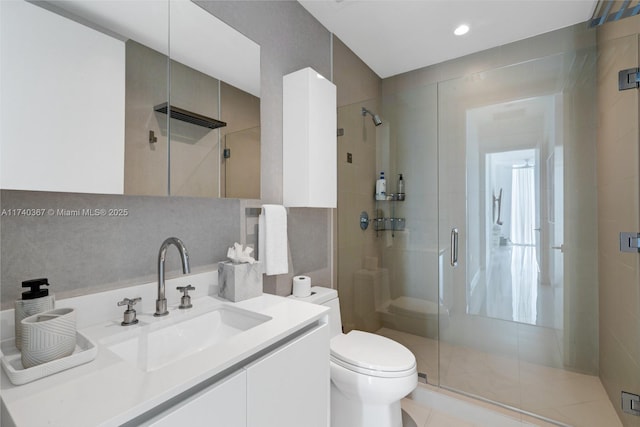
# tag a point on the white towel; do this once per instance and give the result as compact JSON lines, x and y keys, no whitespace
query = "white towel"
{"x":272,"y":239}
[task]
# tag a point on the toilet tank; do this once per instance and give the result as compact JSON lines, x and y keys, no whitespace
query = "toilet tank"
{"x":329,"y":298}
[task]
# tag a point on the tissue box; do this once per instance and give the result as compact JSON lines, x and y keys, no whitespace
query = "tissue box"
{"x":239,"y":282}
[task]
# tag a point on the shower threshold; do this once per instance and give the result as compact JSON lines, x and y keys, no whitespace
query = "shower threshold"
{"x":433,"y":407}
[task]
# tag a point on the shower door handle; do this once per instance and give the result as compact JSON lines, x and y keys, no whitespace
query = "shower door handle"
{"x":454,"y":247}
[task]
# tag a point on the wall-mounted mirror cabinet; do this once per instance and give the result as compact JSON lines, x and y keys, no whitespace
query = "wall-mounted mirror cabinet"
{"x":128,"y":97}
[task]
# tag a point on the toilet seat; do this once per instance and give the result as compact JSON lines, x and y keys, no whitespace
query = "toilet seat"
{"x":373,"y":355}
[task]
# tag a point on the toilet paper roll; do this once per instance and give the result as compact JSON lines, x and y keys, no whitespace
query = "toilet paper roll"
{"x":301,"y":286}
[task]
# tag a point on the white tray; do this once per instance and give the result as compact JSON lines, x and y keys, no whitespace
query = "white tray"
{"x":86,"y":350}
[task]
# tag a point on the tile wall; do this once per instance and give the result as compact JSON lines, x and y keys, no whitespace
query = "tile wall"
{"x":358,"y":86}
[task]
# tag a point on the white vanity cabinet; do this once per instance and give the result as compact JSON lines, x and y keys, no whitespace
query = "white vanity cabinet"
{"x":289,"y":387}
{"x":222,"y":404}
{"x":275,"y":373}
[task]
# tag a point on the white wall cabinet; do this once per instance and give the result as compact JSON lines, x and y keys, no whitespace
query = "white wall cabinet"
{"x":287,"y":387}
{"x":309,"y":140}
{"x":290,"y":386}
{"x":61,"y":130}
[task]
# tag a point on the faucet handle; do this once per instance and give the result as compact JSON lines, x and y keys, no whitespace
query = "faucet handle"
{"x":185,"y":289}
{"x":129,"y":313}
{"x":185,"y":300}
{"x":129,"y":302}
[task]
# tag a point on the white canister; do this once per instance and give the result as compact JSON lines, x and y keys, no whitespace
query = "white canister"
{"x":48,"y":336}
{"x":34,"y":301}
{"x":301,"y":286}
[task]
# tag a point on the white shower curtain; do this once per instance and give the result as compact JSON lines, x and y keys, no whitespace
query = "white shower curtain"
{"x":524,"y":264}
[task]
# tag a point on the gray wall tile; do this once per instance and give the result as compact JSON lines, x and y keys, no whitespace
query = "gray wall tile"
{"x":86,"y":254}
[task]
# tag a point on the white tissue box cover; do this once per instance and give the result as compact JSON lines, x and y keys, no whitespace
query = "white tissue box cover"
{"x":239,"y":282}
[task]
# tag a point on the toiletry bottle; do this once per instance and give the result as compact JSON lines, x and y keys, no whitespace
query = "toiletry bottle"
{"x":381,"y":188}
{"x":33,"y":301}
{"x":400,"y":195}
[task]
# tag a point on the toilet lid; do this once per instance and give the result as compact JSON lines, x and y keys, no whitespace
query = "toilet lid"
{"x":372,"y":352}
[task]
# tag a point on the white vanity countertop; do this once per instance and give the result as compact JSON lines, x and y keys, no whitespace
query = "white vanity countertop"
{"x":110,"y":391}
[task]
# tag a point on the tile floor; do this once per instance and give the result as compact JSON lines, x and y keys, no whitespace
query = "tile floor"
{"x":563,"y":396}
{"x":429,"y":406}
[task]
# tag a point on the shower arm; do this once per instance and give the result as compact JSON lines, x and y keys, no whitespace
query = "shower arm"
{"x":374,"y":117}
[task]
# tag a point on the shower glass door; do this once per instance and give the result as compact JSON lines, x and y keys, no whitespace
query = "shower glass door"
{"x":388,"y":275}
{"x":516,"y":161}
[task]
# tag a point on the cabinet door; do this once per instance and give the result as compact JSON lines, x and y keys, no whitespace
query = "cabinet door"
{"x":221,"y":405}
{"x":290,"y":386}
{"x":309,"y":141}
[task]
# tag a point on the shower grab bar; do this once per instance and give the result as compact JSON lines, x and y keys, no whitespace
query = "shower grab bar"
{"x":454,"y":247}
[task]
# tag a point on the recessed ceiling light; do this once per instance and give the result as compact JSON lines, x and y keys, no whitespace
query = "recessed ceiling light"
{"x":461,"y":30}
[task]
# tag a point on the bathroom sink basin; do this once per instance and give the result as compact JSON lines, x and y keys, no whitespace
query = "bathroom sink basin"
{"x":157,"y":345}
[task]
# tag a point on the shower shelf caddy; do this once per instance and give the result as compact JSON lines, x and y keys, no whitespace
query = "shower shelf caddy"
{"x":392,"y":223}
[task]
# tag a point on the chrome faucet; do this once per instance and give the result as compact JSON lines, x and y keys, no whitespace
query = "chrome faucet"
{"x":161,"y":302}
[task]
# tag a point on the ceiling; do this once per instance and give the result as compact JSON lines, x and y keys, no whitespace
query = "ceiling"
{"x":396,"y":36}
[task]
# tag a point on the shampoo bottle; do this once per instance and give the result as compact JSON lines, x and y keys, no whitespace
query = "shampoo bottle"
{"x":400,"y":188}
{"x":33,"y":301}
{"x":381,"y":188}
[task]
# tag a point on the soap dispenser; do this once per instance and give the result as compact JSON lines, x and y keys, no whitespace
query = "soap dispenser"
{"x":33,"y":301}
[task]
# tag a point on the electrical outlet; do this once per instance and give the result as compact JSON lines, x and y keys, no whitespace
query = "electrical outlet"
{"x":349,"y":158}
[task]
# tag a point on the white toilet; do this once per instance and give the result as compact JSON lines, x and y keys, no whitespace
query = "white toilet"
{"x":369,"y":373}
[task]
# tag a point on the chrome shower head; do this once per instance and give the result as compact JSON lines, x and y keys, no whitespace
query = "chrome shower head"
{"x":374,"y":117}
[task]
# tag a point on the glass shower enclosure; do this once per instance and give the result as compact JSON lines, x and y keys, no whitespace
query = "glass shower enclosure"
{"x":491,"y":281}
{"x":517,"y":218}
